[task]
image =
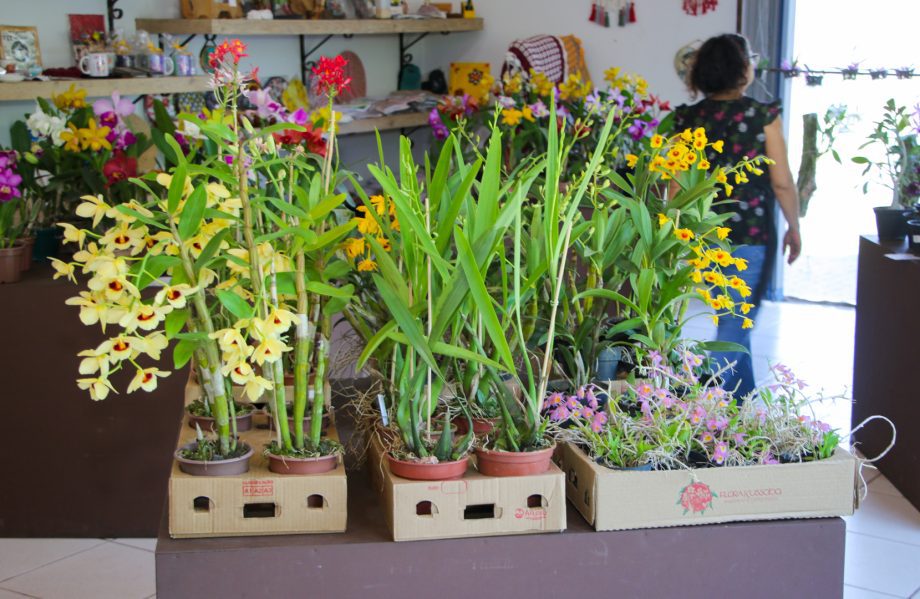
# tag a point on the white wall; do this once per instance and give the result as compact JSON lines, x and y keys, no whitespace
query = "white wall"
{"x":646,"y":47}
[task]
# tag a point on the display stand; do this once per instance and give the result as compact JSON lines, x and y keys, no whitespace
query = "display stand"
{"x":885,"y":360}
{"x":73,"y":466}
{"x":784,"y":558}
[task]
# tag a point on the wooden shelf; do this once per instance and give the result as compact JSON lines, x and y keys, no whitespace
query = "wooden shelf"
{"x":29,"y":90}
{"x":306,"y":27}
{"x":406,"y":120}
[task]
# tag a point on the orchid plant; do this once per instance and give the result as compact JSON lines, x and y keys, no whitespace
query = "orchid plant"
{"x":70,"y":148}
{"x":898,"y":134}
{"x":12,"y":221}
{"x":247,"y":236}
{"x":676,"y":418}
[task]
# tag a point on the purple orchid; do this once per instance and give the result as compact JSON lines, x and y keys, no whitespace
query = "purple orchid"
{"x":440,"y":130}
{"x":9,"y":185}
{"x":118,"y":106}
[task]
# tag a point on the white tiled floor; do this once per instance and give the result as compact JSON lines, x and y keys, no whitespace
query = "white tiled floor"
{"x":883,"y":537}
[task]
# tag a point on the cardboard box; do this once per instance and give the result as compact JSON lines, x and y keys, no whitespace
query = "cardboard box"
{"x":472,"y":506}
{"x":621,"y":500}
{"x":258,"y":502}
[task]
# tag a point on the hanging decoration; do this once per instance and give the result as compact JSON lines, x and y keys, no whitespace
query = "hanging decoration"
{"x":815,"y":77}
{"x":625,"y":12}
{"x":697,"y":7}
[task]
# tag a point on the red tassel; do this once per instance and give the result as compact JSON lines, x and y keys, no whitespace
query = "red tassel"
{"x":632,"y":12}
{"x":593,"y":17}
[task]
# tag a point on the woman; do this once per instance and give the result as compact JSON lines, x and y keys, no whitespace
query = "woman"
{"x":722,"y":71}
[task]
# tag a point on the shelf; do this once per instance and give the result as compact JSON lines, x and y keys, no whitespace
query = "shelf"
{"x":405,"y":120}
{"x":306,"y":27}
{"x":29,"y":90}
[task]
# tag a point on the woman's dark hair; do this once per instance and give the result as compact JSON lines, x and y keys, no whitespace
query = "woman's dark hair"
{"x":720,"y":64}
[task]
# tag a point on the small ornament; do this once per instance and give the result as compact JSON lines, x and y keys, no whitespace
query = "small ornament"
{"x":904,"y":72}
{"x":813,"y":80}
{"x":593,"y":17}
{"x":877,"y":74}
{"x":632,"y":12}
{"x":850,"y":72}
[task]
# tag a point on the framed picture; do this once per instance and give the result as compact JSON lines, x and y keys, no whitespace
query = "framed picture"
{"x":20,"y":44}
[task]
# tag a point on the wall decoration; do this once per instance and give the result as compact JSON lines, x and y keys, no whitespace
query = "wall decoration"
{"x":87,"y":35}
{"x":20,"y":44}
{"x":697,"y":7}
{"x":472,"y":78}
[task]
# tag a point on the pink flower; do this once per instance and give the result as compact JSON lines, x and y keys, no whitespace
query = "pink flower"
{"x":552,"y":400}
{"x":768,"y":458}
{"x":263,"y":103}
{"x":740,"y":438}
{"x":698,"y":415}
{"x":720,"y":453}
{"x":116,"y":105}
{"x":560,"y":414}
{"x":598,"y":422}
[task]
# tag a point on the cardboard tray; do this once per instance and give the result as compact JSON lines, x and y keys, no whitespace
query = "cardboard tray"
{"x":621,"y":500}
{"x":258,"y":502}
{"x":472,"y":506}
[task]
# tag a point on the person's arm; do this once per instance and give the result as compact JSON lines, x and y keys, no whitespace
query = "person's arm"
{"x":784,"y":187}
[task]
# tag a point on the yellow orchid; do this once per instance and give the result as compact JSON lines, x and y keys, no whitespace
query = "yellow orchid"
{"x":746,"y":307}
{"x":353,"y":246}
{"x":511,"y":117}
{"x":63,"y":269}
{"x":146,"y":379}
{"x":93,"y":311}
{"x":120,"y":348}
{"x":232,"y":342}
{"x":722,"y":232}
{"x":747,"y":324}
{"x":269,"y":350}
{"x":93,"y":207}
{"x":70,"y":99}
{"x":239,"y":371}
{"x":174,"y":295}
{"x":741,"y":264}
{"x":663,"y":219}
{"x":541,"y":83}
{"x":152,"y":345}
{"x":703,"y":165}
{"x":123,"y":237}
{"x":118,"y":215}
{"x":94,"y":138}
{"x":657,"y":141}
{"x":144,"y":317}
{"x":718,"y":146}
{"x":367,"y":265}
{"x":71,"y":138}
{"x":684,"y":235}
{"x":98,"y":387}
{"x":73,"y":235}
{"x":631,"y":160}
{"x":256,"y":386}
{"x":94,"y":360}
{"x":527,"y":113}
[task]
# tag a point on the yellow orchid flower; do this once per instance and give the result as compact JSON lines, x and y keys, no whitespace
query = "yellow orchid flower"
{"x":144,"y":317}
{"x":98,"y":387}
{"x":175,"y":295}
{"x":92,"y":311}
{"x":146,"y":379}
{"x":367,"y":265}
{"x":631,"y":160}
{"x":511,"y":117}
{"x":94,"y":138}
{"x":152,"y":345}
{"x":94,"y":360}
{"x":120,"y":348}
{"x":93,"y":207}
{"x":684,"y":235}
{"x":353,"y":247}
{"x":722,"y":232}
{"x":123,"y":237}
{"x":70,"y":99}
{"x":63,"y":269}
{"x":657,"y":141}
{"x":257,"y":386}
{"x":73,"y":235}
{"x":269,"y":350}
{"x":71,"y":138}
{"x":747,"y":324}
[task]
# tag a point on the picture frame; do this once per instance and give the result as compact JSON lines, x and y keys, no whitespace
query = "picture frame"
{"x":20,"y":45}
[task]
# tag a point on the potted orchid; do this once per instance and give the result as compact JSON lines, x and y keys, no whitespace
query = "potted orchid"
{"x":244,"y":230}
{"x":11,"y":223}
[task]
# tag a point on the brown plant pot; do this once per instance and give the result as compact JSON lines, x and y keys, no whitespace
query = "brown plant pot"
{"x":288,"y":465}
{"x":206,"y":423}
{"x":27,"y":244}
{"x":514,"y":463}
{"x":11,"y":264}
{"x":421,"y":471}
{"x":229,"y":467}
{"x":481,"y":426}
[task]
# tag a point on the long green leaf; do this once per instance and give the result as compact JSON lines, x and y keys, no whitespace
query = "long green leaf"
{"x":190,"y":219}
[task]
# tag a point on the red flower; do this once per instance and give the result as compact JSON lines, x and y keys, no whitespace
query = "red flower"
{"x":234,"y":48}
{"x":329,"y":76}
{"x":311,"y":139}
{"x":120,"y":167}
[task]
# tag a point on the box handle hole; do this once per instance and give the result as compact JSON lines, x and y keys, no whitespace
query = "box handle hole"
{"x":260,"y":510}
{"x":573,"y":478}
{"x":537,"y":502}
{"x":426,"y":508}
{"x":481,"y":511}
{"x":202,"y":504}
{"x":317,"y":502}
{"x":587,"y":498}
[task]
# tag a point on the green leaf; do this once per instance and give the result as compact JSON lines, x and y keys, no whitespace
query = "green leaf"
{"x":374,"y":342}
{"x":154,"y":268}
{"x":408,"y":323}
{"x":290,"y":209}
{"x":330,"y":237}
{"x":183,"y":352}
{"x":175,"y":320}
{"x":142,"y":218}
{"x":211,"y":249}
{"x":235,"y":304}
{"x":344,"y":292}
{"x":190,"y":219}
{"x":161,"y":118}
{"x":860,"y":160}
{"x":608,"y":294}
{"x":483,"y":300}
{"x":176,"y":187}
{"x":723,"y":346}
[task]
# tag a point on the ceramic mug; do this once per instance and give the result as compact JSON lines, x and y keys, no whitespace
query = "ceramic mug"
{"x":162,"y":65}
{"x":124,"y":60}
{"x":95,"y":65}
{"x":185,"y":65}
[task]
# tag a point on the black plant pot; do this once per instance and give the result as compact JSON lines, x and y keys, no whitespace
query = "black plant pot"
{"x":47,"y":244}
{"x":891,"y":223}
{"x":913,"y":235}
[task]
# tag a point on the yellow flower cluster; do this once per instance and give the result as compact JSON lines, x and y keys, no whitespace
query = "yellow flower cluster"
{"x":512,"y":116}
{"x":90,"y":137}
{"x":574,"y":88}
{"x":71,"y":99}
{"x":541,"y":84}
{"x":513,"y":84}
{"x":712,"y":284}
{"x":356,"y":248}
{"x":626,"y":81}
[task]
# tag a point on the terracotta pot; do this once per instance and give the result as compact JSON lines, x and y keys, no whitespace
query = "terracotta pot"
{"x":229,"y":467}
{"x":206,"y":423}
{"x":421,"y":471}
{"x":11,"y":264}
{"x":27,"y":244}
{"x":481,"y":426}
{"x":288,"y":465}
{"x":514,"y":463}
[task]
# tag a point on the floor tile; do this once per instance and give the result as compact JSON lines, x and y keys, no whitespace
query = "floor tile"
{"x":109,"y":570}
{"x":145,"y":544}
{"x":851,"y":592}
{"x":879,"y":565}
{"x":889,"y":517}
{"x":880,"y":484}
{"x":18,"y":556}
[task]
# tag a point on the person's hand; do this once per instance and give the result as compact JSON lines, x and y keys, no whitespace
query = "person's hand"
{"x":793,"y":241}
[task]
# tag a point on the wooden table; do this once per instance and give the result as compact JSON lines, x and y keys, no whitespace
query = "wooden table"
{"x":886,"y":360}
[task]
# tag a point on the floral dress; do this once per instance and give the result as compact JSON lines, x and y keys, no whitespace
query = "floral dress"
{"x":740,"y":123}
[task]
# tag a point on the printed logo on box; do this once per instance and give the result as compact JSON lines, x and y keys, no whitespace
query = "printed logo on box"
{"x":258,"y":488}
{"x":525,"y":514}
{"x":764,"y":494}
{"x":696,"y":498}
